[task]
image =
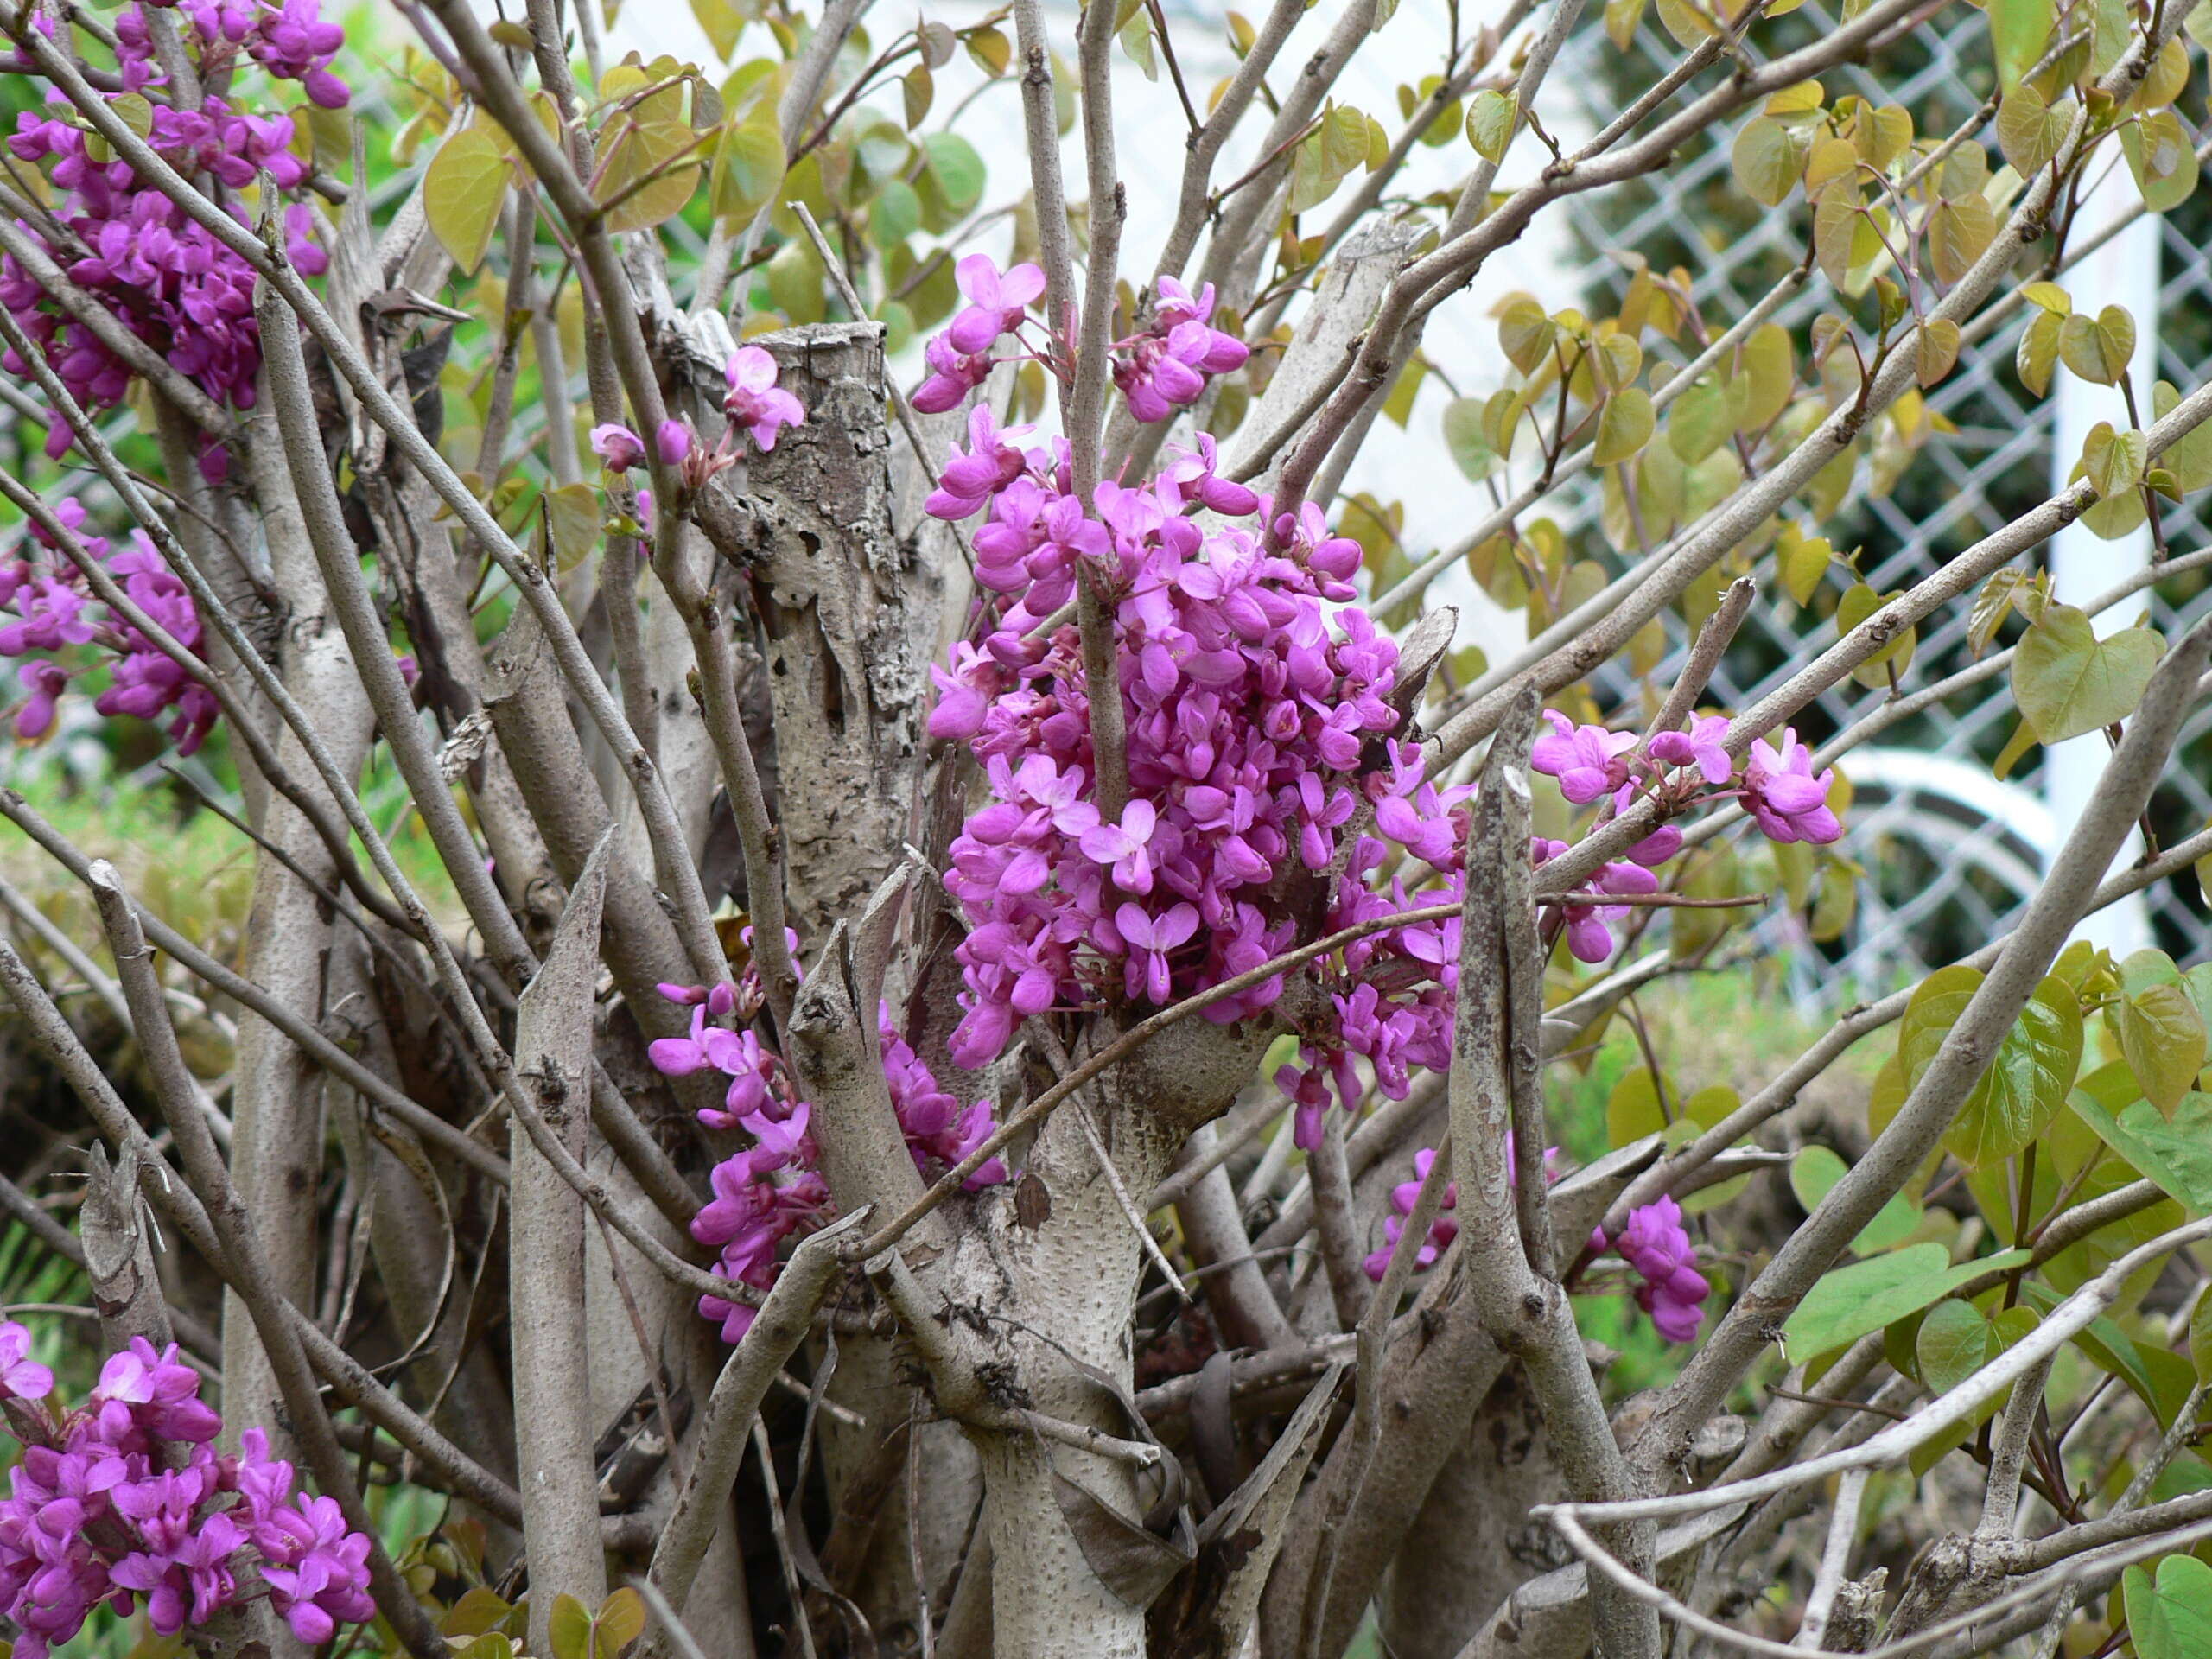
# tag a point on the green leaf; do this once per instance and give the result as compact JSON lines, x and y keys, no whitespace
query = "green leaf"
{"x":1700,"y":422}
{"x":2199,"y":1339}
{"x":572,"y":516}
{"x":2029,"y":131}
{"x":1954,"y":1340}
{"x":569,"y":1628}
{"x":1623,"y":427}
{"x":1814,"y":1173}
{"x":2113,"y":462}
{"x":2162,"y":158}
{"x":721,"y":23}
{"x":2067,"y":681}
{"x":748,"y":166}
{"x":2018,"y":31}
{"x":1632,"y":1110}
{"x":463,"y":190}
{"x":1836,"y":218}
{"x":2175,"y":1155}
{"x":1767,"y":159}
{"x":2026,"y":1083}
{"x":956,"y":168}
{"x":1848,"y":1303}
{"x":2161,"y":1030}
{"x":1463,"y":436}
{"x":2169,"y":1617}
{"x":2098,"y":348}
{"x":641,"y":169}
{"x":1491,"y":118}
{"x":1325,"y":156}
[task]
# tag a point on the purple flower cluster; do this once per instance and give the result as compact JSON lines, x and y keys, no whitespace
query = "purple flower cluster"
{"x":772,"y":1190}
{"x":1165,"y":366}
{"x":754,"y":402}
{"x":1253,"y":719}
{"x":1656,"y":1244}
{"x":162,"y":275}
{"x":1445,"y":1227}
{"x":960,"y":358}
{"x":1403,"y":1197}
{"x":1246,"y":718}
{"x":124,"y":1498}
{"x":291,"y":41}
{"x":45,"y":606}
{"x":1777,"y":786}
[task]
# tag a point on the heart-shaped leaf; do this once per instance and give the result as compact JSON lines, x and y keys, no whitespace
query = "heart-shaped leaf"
{"x":2067,"y":681}
{"x":1623,"y":427}
{"x":2027,"y":1081}
{"x":2161,"y":1029}
{"x":2169,"y":1617}
{"x":463,"y":190}
{"x":2176,"y":1155}
{"x":2098,"y":348}
{"x":2113,"y":462}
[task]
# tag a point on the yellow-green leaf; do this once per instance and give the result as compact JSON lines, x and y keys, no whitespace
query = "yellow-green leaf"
{"x":2038,"y":353}
{"x":463,"y":190}
{"x":1491,"y":118}
{"x":2018,"y":30}
{"x":572,"y":516}
{"x":2190,"y":459}
{"x":2162,"y":158}
{"x":2067,"y":681}
{"x":1623,"y":427}
{"x":1935,"y":350}
{"x":1525,"y":333}
{"x":2161,"y":1030}
{"x":1959,"y":232}
{"x":2098,"y":348}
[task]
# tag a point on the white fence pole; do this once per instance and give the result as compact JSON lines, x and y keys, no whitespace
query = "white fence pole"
{"x":2123,"y":271}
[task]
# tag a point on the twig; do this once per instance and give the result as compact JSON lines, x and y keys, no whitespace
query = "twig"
{"x":1835,"y":1561}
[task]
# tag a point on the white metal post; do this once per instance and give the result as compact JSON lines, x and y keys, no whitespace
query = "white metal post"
{"x":2123,"y":271}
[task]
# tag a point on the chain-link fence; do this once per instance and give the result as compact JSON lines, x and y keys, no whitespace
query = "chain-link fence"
{"x":1949,"y":853}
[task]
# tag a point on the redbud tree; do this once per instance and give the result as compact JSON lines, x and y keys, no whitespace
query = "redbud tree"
{"x":899,"y":997}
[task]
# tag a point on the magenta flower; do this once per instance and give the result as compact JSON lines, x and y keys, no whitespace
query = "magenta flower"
{"x":970,"y":479}
{"x":953,"y":375}
{"x":1589,"y":761}
{"x":618,"y":446}
{"x":672,"y":442}
{"x":1123,"y":846}
{"x":1150,"y":938}
{"x":1780,"y":791}
{"x":1702,"y":745}
{"x":1656,"y":1244}
{"x":45,"y":682}
{"x":995,"y":302}
{"x":754,"y":401}
{"x":21,"y":1376}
